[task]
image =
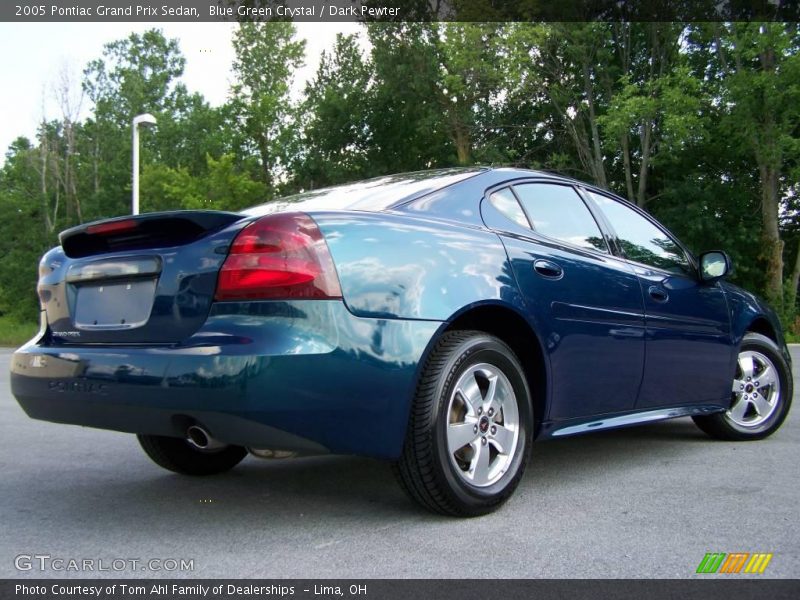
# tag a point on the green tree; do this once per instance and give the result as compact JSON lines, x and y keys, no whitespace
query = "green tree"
{"x":135,"y":75}
{"x":267,"y":55}
{"x":407,"y":128}
{"x":221,"y":187}
{"x":192,"y":131}
{"x":334,"y":114}
{"x":469,"y":81}
{"x":556,"y":63}
{"x":654,"y":104}
{"x":23,"y":238}
{"x":756,"y":69}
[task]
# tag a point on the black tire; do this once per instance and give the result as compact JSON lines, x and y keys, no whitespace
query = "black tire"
{"x":426,"y":470}
{"x":175,"y":454}
{"x":721,"y":426}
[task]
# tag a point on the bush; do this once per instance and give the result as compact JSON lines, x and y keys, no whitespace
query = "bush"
{"x":14,"y":332}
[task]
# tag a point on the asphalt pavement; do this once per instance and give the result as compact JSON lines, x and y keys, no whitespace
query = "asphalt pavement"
{"x":644,"y":502}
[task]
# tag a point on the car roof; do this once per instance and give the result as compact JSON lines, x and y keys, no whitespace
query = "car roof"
{"x":391,"y":191}
{"x":376,"y":194}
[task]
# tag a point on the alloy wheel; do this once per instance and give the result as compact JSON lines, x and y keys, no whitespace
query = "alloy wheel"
{"x":756,"y":389}
{"x":482,"y":425}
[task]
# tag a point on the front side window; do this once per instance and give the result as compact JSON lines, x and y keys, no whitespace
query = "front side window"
{"x":557,"y":211}
{"x":640,"y":239}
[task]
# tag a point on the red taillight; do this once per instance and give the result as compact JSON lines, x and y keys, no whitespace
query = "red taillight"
{"x":112,"y":227}
{"x":278,"y":257}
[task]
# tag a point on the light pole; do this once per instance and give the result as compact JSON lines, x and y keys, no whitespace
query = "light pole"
{"x":147,"y":120}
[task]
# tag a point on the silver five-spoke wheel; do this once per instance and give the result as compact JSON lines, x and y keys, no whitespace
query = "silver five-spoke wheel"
{"x":470,"y":428}
{"x":756,"y":389}
{"x":761,"y":393}
{"x":482,"y":425}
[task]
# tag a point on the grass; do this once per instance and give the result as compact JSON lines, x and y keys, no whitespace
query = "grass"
{"x":791,"y":338}
{"x":15,"y":333}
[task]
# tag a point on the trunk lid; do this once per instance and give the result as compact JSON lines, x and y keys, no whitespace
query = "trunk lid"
{"x":148,"y":279}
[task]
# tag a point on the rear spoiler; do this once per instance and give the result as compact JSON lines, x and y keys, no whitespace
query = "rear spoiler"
{"x":151,"y":230}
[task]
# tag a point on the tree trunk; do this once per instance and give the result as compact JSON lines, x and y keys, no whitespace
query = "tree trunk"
{"x":598,"y":168}
{"x":626,"y":161}
{"x":43,"y":157}
{"x":641,"y":194}
{"x":70,"y":184}
{"x":578,"y":133}
{"x":768,"y":156}
{"x":96,"y":163}
{"x":772,"y":243}
{"x":266,"y":166}
{"x":463,"y":144}
{"x":791,"y":293}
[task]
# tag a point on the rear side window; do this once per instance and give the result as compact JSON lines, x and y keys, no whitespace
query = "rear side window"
{"x":505,"y":201}
{"x":558,"y":212}
{"x":640,"y":239}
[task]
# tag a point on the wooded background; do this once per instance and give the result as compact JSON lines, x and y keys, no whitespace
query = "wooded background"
{"x":699,"y":124}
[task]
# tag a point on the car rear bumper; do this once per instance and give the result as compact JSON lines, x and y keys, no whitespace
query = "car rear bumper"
{"x":303,"y":375}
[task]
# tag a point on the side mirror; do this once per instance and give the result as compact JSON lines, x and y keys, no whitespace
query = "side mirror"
{"x":714,"y":265}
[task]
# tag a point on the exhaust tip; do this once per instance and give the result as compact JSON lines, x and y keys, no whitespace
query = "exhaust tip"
{"x":198,"y":437}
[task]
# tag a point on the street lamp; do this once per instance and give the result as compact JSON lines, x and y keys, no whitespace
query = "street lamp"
{"x":147,"y":120}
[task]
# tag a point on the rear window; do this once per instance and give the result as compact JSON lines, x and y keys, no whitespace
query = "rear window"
{"x":558,"y":212}
{"x":505,"y":201}
{"x":371,"y":195}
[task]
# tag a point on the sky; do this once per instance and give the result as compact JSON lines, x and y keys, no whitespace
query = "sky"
{"x":34,"y":54}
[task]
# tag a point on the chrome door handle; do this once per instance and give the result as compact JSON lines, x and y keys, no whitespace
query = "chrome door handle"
{"x":548,"y":269}
{"x":658,"y":294}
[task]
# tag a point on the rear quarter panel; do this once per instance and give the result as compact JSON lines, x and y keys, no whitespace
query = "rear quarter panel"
{"x":396,"y":266}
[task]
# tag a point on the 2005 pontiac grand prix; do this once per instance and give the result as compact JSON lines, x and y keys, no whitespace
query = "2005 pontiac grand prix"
{"x":442,"y":320}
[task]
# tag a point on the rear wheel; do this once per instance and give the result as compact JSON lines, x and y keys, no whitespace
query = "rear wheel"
{"x":176,"y":454}
{"x":471,"y":426}
{"x":761,"y":394}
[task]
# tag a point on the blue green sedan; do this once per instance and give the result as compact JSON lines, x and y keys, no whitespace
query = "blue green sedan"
{"x":440,"y":320}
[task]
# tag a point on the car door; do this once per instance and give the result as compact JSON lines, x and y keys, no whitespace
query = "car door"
{"x":585,"y":303}
{"x":688,"y":344}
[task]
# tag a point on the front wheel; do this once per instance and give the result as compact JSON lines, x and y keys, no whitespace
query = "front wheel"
{"x":761,"y":394}
{"x":470,"y":429}
{"x":177,"y":455}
